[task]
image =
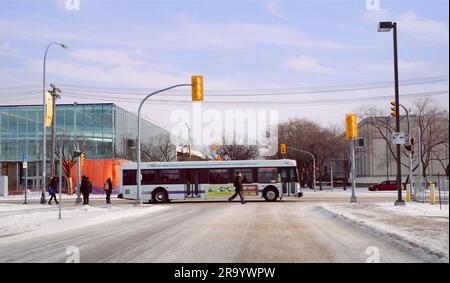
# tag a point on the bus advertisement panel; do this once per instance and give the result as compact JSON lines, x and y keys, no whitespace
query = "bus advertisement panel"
{"x":228,"y":190}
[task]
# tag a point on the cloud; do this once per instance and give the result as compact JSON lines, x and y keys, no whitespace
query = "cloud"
{"x":239,"y":34}
{"x":184,"y":33}
{"x":408,"y":67}
{"x":6,"y":49}
{"x":424,"y":30}
{"x":306,"y":64}
{"x":377,"y":15}
{"x":106,"y":57}
{"x":273,"y":8}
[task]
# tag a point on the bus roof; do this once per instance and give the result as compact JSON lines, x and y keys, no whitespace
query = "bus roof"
{"x":213,"y":164}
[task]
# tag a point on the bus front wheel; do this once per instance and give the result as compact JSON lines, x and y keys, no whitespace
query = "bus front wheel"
{"x":160,"y":196}
{"x":270,"y":194}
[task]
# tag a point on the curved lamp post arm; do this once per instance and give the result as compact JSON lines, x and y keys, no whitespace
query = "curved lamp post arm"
{"x":44,"y":133}
{"x":314,"y":163}
{"x":138,"y":148}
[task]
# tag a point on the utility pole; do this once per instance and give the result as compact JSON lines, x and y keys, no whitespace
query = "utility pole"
{"x":55,"y":93}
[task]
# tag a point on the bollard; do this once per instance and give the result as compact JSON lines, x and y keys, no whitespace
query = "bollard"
{"x":432,"y":194}
{"x":408,"y":192}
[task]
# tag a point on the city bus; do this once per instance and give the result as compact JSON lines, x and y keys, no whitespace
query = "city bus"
{"x":164,"y":181}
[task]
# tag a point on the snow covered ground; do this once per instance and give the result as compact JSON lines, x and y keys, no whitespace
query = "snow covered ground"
{"x":33,"y":195}
{"x":26,"y":221}
{"x":421,"y":228}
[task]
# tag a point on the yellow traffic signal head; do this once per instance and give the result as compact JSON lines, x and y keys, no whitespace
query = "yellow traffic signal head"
{"x":351,"y":126}
{"x":82,"y":159}
{"x":393,"y":109}
{"x":197,"y":88}
{"x":283,"y":148}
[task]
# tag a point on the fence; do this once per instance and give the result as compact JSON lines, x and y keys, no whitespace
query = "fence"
{"x":423,"y":190}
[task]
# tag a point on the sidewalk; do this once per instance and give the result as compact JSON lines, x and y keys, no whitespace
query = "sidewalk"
{"x":423,"y":229}
{"x":28,"y":221}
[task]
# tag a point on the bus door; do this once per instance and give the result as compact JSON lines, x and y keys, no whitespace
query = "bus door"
{"x":283,"y":173}
{"x":192,"y":186}
{"x":293,"y":179}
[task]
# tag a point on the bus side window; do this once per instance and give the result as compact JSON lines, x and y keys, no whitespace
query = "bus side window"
{"x":247,"y":175}
{"x":267,"y":175}
{"x":129,"y":177}
{"x":148,"y":177}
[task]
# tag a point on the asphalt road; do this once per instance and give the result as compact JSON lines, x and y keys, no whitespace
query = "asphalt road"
{"x":288,"y":231}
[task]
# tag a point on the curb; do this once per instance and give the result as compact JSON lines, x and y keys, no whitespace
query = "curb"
{"x":419,"y":249}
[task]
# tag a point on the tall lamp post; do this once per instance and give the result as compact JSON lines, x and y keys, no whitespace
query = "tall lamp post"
{"x":44,"y":138}
{"x":197,"y":95}
{"x":386,"y":27}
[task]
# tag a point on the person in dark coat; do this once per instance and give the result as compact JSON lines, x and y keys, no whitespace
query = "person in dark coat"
{"x":108,"y":190}
{"x":86,"y":189}
{"x":238,"y":188}
{"x":52,"y":190}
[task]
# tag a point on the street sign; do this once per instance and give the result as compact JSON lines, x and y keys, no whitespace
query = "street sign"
{"x":398,"y":138}
{"x":25,"y":165}
{"x":24,"y":158}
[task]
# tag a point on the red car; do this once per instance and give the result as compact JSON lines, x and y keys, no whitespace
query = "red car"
{"x":385,"y":186}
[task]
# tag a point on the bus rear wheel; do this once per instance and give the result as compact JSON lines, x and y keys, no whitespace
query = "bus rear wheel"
{"x":270,"y":194}
{"x":160,"y":196}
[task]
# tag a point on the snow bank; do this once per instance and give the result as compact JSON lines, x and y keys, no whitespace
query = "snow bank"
{"x":17,"y":223}
{"x":420,"y":228}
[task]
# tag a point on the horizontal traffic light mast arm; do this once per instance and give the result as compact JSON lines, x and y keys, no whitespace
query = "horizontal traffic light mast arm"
{"x":162,"y":90}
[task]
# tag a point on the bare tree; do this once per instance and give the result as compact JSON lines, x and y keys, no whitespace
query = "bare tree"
{"x":69,"y":157}
{"x":159,"y":148}
{"x":433,"y":124}
{"x":322,"y":142}
{"x":232,"y":151}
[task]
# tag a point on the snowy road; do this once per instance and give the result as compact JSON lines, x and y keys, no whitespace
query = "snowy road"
{"x":287,"y":231}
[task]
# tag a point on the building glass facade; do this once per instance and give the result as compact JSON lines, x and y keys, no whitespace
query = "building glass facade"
{"x":107,"y":130}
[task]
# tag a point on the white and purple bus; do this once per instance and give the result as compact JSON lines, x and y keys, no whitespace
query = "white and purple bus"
{"x":164,"y":181}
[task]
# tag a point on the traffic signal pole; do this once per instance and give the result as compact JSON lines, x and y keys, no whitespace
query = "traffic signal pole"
{"x":353,"y":197}
{"x":138,"y":148}
{"x":411,"y":180}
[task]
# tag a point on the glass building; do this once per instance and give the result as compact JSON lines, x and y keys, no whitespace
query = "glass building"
{"x":108,"y":131}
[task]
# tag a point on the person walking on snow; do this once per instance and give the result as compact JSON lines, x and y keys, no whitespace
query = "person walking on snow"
{"x":52,"y":190}
{"x":86,"y":189}
{"x":108,"y":187}
{"x":239,"y":189}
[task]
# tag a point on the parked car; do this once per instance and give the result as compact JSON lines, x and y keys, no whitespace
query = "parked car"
{"x":385,"y":186}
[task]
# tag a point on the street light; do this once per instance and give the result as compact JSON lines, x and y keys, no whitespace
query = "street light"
{"x":44,"y":138}
{"x":197,"y":95}
{"x":386,"y":27}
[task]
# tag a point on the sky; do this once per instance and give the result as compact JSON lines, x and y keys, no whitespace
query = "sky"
{"x":306,"y":59}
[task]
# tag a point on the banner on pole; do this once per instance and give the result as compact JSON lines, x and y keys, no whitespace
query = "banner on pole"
{"x":49,"y":109}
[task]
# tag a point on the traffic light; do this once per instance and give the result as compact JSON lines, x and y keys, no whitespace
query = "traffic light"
{"x":82,"y":159}
{"x":197,"y":88}
{"x":393,"y":109}
{"x":351,"y":126}
{"x":283,"y":148}
{"x":412,"y":146}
